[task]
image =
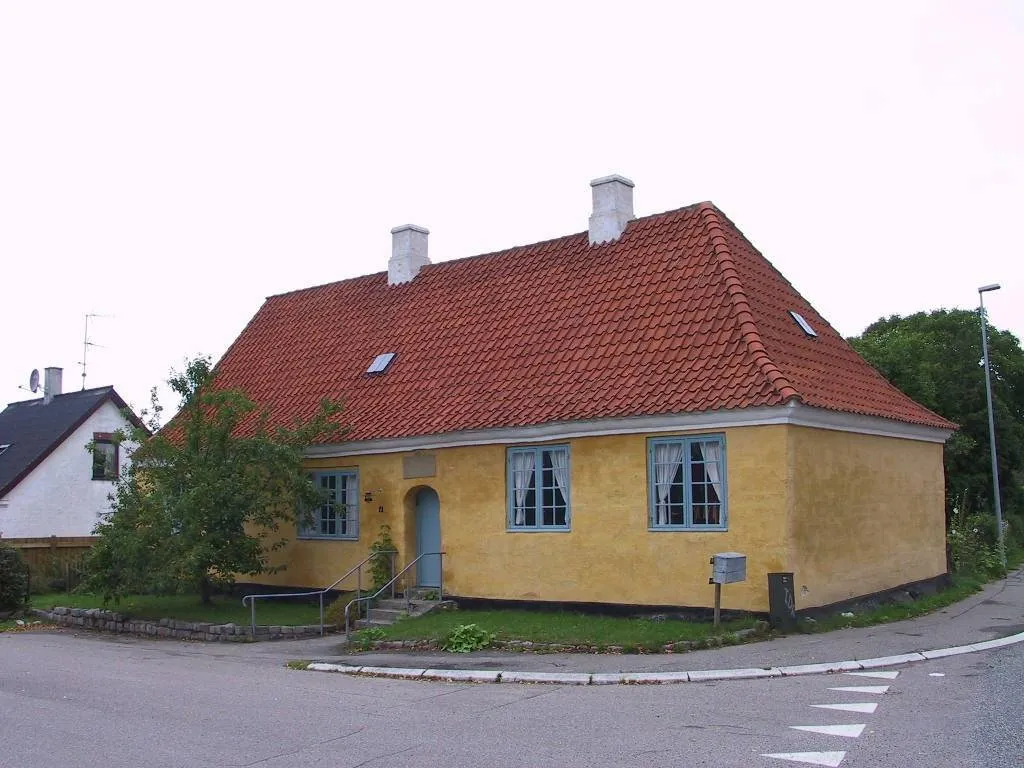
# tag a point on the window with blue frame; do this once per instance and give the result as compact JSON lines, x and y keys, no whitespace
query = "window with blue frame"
{"x":686,"y":478}
{"x":538,"y":488}
{"x":337,"y":515}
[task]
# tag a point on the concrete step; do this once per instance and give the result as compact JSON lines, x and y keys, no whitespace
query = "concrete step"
{"x":386,"y":612}
{"x":389,"y":615}
{"x":423,"y":593}
{"x":397,"y":604}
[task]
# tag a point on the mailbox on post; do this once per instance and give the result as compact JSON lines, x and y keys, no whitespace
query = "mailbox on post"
{"x":726,"y":568}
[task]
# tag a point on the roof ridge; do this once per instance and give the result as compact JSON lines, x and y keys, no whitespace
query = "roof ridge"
{"x":737,"y":295}
{"x":486,"y":254}
{"x":73,"y":393}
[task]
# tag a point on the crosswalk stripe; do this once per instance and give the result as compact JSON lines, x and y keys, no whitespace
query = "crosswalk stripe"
{"x":831,"y":759}
{"x":862,"y":688}
{"x":851,"y":731}
{"x":879,"y":675}
{"x":867,"y":707}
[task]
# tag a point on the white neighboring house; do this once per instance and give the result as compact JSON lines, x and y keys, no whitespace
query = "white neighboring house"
{"x":50,"y":485}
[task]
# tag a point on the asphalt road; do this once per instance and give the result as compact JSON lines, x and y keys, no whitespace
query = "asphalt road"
{"x":90,"y":700}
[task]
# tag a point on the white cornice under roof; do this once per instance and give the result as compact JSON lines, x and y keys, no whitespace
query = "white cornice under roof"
{"x":791,"y":413}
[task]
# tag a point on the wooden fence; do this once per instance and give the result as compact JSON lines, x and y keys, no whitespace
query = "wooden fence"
{"x":54,"y":562}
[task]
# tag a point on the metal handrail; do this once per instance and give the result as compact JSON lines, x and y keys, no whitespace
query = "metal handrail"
{"x":395,"y":578}
{"x":357,"y":569}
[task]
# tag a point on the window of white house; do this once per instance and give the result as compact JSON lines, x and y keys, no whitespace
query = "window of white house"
{"x":538,"y":488}
{"x":686,"y":477}
{"x":104,"y":456}
{"x":337,"y":515}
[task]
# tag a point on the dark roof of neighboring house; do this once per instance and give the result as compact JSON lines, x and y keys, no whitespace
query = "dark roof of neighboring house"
{"x":681,"y":314}
{"x":34,"y":429}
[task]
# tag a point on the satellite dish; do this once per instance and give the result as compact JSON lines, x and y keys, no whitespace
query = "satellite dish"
{"x":33,"y":380}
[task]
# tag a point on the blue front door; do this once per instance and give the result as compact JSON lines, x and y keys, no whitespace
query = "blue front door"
{"x":428,"y":538}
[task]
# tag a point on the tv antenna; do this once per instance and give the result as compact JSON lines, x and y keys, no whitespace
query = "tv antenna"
{"x":86,"y":343}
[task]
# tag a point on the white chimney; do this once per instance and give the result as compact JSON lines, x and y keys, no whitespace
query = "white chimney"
{"x":408,"y":253}
{"x":52,"y":384}
{"x":613,"y":208}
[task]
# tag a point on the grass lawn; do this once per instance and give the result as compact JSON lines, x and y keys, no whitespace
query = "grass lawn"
{"x":564,"y":628}
{"x":223,"y":610}
{"x":638,"y":633}
{"x":962,"y":587}
{"x":561,"y":627}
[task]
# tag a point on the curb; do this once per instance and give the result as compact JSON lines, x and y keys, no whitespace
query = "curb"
{"x":658,"y":678}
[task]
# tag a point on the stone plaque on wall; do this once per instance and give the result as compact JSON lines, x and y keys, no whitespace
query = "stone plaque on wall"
{"x":419,"y":465}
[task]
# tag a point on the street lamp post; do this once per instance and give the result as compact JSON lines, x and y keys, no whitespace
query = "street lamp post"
{"x":991,"y":421}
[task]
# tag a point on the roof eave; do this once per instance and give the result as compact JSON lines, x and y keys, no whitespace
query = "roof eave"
{"x":792,"y":413}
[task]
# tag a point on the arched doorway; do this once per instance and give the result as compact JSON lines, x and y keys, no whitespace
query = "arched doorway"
{"x":428,"y":537}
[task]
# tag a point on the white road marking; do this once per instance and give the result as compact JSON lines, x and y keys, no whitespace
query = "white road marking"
{"x":831,"y":759}
{"x":862,"y":688}
{"x":867,"y":707}
{"x":936,"y":674}
{"x":851,"y":731}
{"x":880,"y":675}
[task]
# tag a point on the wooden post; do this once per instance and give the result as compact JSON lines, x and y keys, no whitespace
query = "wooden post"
{"x":718,"y":603}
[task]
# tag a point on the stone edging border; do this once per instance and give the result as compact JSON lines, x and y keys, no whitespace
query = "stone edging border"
{"x":656,"y":678}
{"x":111,"y":621}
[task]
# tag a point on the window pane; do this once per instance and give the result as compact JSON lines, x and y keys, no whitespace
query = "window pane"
{"x":705,"y":475}
{"x":531,"y":507}
{"x":687,"y":481}
{"x":714,"y":514}
{"x":538,"y":487}
{"x":335,"y":515}
{"x":677,"y":499}
{"x":104,"y":461}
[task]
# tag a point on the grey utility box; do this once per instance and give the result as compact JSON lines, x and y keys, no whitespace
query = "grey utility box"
{"x":728,"y":567}
{"x":781,"y":600}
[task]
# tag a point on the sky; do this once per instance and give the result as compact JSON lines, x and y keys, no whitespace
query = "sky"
{"x":166,"y":166}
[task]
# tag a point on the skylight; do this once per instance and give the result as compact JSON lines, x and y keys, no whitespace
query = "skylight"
{"x":381,"y":362}
{"x":4,"y":447}
{"x":803,"y":323}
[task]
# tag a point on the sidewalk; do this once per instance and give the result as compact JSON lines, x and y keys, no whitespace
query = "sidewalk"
{"x":995,"y":612}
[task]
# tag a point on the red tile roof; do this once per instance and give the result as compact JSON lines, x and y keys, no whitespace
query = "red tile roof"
{"x":680,"y":315}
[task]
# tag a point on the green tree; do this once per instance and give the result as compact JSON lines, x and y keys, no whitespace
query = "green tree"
{"x":206,"y":497}
{"x":936,"y":358}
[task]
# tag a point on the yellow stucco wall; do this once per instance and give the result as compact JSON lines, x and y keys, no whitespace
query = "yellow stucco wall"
{"x":609,"y":556}
{"x":867,"y":513}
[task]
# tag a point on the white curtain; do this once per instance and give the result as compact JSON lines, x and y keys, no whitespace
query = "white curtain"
{"x":667,"y":457}
{"x":560,"y":468}
{"x":712,"y":453}
{"x":522,"y":473}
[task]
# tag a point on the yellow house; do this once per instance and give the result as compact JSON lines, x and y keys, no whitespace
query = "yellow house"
{"x":589,"y":419}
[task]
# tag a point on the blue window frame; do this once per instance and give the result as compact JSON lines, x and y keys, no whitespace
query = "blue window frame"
{"x":538,"y":488}
{"x":686,"y":478}
{"x":337,"y":515}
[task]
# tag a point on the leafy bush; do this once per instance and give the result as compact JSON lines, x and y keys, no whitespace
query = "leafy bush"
{"x":335,"y":612}
{"x":972,"y":543}
{"x":13,"y":580}
{"x":467,"y":637}
{"x":380,"y":562}
{"x":365,"y":638}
